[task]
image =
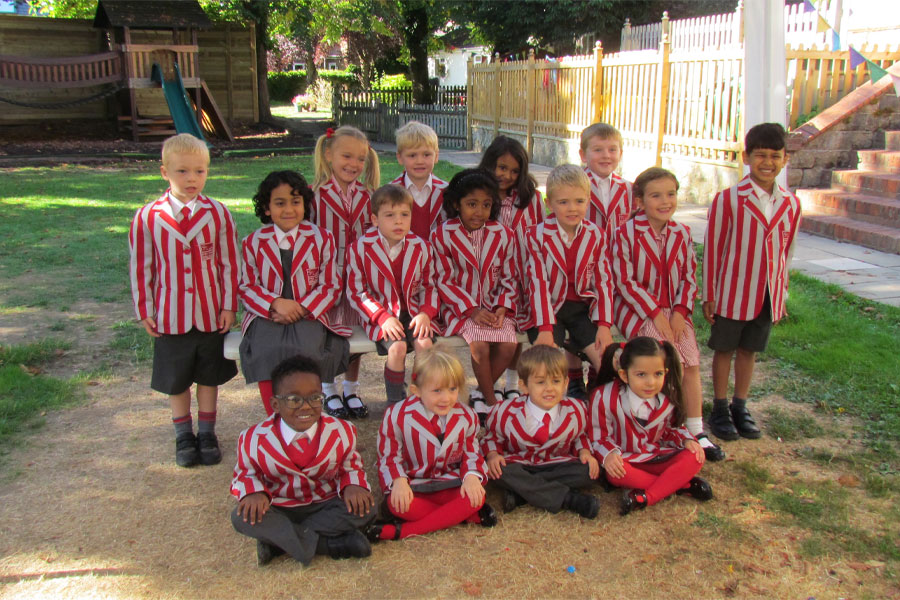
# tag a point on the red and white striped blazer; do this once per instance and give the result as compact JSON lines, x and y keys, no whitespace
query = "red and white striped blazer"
{"x":744,"y":254}
{"x":547,"y":272}
{"x":519,"y":220}
{"x":407,"y":447}
{"x":638,"y":268}
{"x":266,"y":464}
{"x":505,"y":433}
{"x":611,"y":426}
{"x":346,"y":226}
{"x":372,"y":290}
{"x":314,"y":276}
{"x":183,"y":281}
{"x":465,"y":280}
{"x":620,"y":203}
{"x":434,"y":206}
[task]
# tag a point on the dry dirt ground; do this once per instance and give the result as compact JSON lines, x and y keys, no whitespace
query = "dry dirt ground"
{"x":93,"y":506}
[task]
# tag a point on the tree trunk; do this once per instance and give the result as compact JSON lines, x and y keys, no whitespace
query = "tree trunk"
{"x":416,"y":33}
{"x":260,"y":11}
{"x":312,"y":73}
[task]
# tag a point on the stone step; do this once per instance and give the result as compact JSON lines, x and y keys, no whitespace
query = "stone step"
{"x":885,"y":161}
{"x":877,"y":237}
{"x":868,"y":182}
{"x":892,"y":140}
{"x":861,"y":207}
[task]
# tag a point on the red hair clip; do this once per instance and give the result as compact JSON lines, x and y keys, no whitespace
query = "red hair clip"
{"x":622,"y":345}
{"x":329,"y":133}
{"x":413,"y":376}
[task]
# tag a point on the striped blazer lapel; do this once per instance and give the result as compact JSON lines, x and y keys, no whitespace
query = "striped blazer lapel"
{"x":659,"y":417}
{"x":358,"y":207}
{"x":493,"y":231}
{"x":437,"y":189}
{"x":748,"y":204}
{"x":411,"y":255}
{"x":162,"y":212}
{"x":379,"y":257}
{"x":554,"y":243}
{"x":781,"y":212}
{"x":618,"y":198}
{"x":268,"y":248}
{"x":302,"y":248}
{"x":200,"y":218}
{"x":415,"y":413}
{"x":645,"y":238}
{"x":460,"y":241}
{"x":331,"y":197}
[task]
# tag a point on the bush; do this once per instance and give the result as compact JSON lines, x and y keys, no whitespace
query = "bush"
{"x":392,"y":82}
{"x":284,"y":85}
{"x":347,"y":77}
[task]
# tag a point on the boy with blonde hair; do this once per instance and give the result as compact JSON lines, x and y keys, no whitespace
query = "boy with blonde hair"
{"x":417,"y":152}
{"x":611,"y":201}
{"x":184,"y":277}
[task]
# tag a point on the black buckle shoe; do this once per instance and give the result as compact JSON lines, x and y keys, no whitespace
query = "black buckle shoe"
{"x":512,"y":501}
{"x":582,"y":504}
{"x":349,"y":545}
{"x":511,"y":394}
{"x":356,"y":412}
{"x":721,"y":426}
{"x":632,"y":500}
{"x":699,"y":489}
{"x":340,"y":412}
{"x":265,"y":552}
{"x":210,"y":453}
{"x":744,"y":423}
{"x":487,"y":515}
{"x":187,"y":454}
{"x":713,"y":453}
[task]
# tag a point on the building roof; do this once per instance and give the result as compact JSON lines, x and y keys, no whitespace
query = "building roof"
{"x":159,"y":14}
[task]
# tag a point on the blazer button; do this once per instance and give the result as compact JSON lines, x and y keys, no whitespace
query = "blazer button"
{"x":187,"y":270}
{"x":190,"y":290}
{"x":187,"y":250}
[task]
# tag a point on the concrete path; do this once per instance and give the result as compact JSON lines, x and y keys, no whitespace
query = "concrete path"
{"x":867,"y":273}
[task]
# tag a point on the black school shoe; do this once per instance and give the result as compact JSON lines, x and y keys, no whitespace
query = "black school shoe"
{"x":744,"y":423}
{"x":349,"y":545}
{"x":512,"y":501}
{"x":356,"y":412}
{"x":487,"y":515}
{"x":187,"y":454}
{"x":339,"y":412}
{"x":713,"y":453}
{"x":632,"y":500}
{"x":208,"y":444}
{"x":373,"y":530}
{"x":699,"y":489}
{"x":265,"y":552}
{"x":721,"y":426}
{"x":582,"y":504}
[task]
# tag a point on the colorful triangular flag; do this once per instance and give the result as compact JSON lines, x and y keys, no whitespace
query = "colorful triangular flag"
{"x":856,"y":58}
{"x":896,"y":80}
{"x":822,"y":25}
{"x":875,"y":72}
{"x":835,"y":41}
{"x":808,"y":6}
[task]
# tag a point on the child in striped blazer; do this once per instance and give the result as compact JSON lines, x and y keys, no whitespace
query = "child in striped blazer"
{"x":749,"y":239}
{"x":476,"y":274}
{"x":289,"y":282}
{"x":636,"y":425}
{"x":417,"y":153}
{"x":341,"y":157}
{"x":520,"y":208}
{"x":535,"y":445}
{"x":184,"y":281}
{"x":390,"y":281}
{"x":299,"y":480}
{"x":430,"y":467}
{"x":654,"y":270}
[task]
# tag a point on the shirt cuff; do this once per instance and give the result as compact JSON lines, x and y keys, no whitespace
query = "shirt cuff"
{"x":543,"y":328}
{"x":683,"y":311}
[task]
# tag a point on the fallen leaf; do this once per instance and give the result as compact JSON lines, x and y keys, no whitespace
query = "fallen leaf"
{"x":848,"y":480}
{"x":759,"y":591}
{"x":92,"y":383}
{"x":858,"y":566}
{"x":730,"y":588}
{"x":31,"y":370}
{"x":471,"y":588}
{"x":756,"y":569}
{"x":875,"y":564}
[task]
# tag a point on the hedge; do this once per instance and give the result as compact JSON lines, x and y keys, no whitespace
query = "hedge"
{"x":284,"y":85}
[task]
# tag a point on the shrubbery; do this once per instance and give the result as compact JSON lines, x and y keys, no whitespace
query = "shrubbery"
{"x":284,"y":85}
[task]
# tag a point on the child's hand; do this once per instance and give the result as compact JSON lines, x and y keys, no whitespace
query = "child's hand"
{"x":226,"y":320}
{"x":150,"y":327}
{"x":679,"y":324}
{"x":483,"y":317}
{"x":472,"y":489}
{"x":587,"y":458}
{"x":662,"y":325}
{"x":545,"y":338}
{"x":421,"y":326}
{"x":286,"y":311}
{"x":709,"y":311}
{"x":603,"y":339}
{"x":401,"y":495}
{"x":358,"y":499}
{"x":253,"y":507}
{"x":696,"y":449}
{"x":393,"y":329}
{"x":614,"y":465}
{"x":494,"y":461}
{"x":498,"y":316}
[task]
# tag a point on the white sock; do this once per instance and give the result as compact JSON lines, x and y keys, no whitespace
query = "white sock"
{"x":350,"y":387}
{"x":329,"y":389}
{"x":512,"y":380}
{"x":695,"y":426}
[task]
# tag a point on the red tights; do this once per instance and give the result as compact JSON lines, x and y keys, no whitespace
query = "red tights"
{"x":433,"y":511}
{"x":265,"y":391}
{"x":660,"y":479}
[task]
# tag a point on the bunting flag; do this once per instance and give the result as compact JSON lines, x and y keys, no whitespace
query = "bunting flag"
{"x":808,"y":6}
{"x":875,"y":72}
{"x":856,"y":58}
{"x":835,"y":41}
{"x":896,"y":80}
{"x":822,"y":25}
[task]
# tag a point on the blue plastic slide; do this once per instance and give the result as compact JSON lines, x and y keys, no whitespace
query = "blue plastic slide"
{"x":179,"y":104}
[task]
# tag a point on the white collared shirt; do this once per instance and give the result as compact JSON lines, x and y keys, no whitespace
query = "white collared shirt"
{"x":177,"y":205}
{"x":291,"y":435}
{"x":565,"y":236}
{"x":281,"y":237}
{"x":442,"y":419}
{"x":392,"y":251}
{"x":767,"y":201}
{"x":534,"y":416}
{"x":640,"y":407}
{"x":603,"y":185}
{"x":420,"y":195}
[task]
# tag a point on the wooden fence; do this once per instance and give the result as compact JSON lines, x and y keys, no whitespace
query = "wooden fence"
{"x":379,"y":113}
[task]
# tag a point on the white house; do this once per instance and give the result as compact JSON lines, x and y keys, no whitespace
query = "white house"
{"x":449,"y":66}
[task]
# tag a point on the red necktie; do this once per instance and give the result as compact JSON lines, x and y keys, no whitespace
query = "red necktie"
{"x":302,"y":443}
{"x":185,"y":223}
{"x":543,"y":433}
{"x":436,"y":428}
{"x":290,"y":240}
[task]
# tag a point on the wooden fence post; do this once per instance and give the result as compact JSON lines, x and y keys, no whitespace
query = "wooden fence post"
{"x":626,"y":36}
{"x":470,"y":75}
{"x":738,"y":38}
{"x":529,"y":103}
{"x":598,"y":81}
{"x":662,"y":88}
{"x":496,"y":94}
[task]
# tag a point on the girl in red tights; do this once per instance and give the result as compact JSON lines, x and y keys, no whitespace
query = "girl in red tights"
{"x":636,"y":425}
{"x":429,"y":465}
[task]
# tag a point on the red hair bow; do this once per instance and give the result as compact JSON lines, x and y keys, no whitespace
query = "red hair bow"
{"x":329,"y":132}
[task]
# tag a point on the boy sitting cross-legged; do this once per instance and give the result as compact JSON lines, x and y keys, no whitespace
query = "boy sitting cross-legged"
{"x":536,"y":445}
{"x":300,"y":482}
